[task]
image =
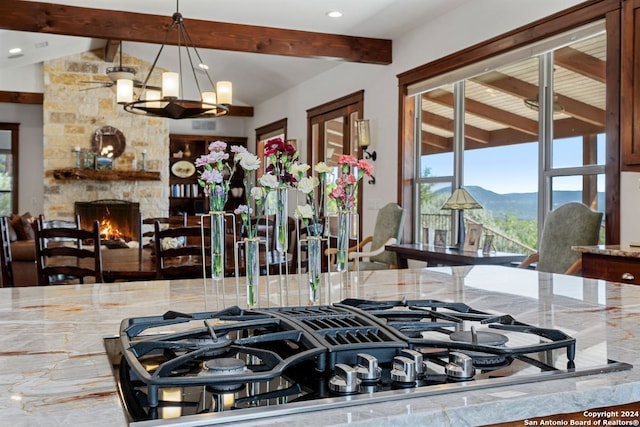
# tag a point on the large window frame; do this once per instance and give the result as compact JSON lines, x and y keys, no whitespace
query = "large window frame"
{"x":537,"y":31}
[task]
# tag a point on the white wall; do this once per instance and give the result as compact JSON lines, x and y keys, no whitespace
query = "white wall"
{"x":629,"y":207}
{"x":22,"y":79}
{"x":30,"y":177}
{"x":476,"y":21}
{"x":225,"y":126}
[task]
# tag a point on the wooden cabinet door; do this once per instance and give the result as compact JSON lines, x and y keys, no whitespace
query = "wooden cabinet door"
{"x":630,"y":84}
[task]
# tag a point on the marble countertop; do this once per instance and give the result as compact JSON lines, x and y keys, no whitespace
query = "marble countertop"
{"x":623,"y":250}
{"x":54,"y":370}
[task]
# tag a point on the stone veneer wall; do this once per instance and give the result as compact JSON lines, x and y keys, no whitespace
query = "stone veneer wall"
{"x":72,"y":114}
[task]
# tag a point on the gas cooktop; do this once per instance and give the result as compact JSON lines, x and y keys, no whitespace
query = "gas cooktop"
{"x":238,"y":364}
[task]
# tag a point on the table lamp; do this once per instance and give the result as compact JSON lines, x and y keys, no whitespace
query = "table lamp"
{"x":460,"y":200}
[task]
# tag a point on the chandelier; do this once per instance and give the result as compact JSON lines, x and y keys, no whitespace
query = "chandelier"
{"x":168,"y":101}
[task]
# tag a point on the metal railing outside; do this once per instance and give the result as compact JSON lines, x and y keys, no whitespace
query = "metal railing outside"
{"x":501,"y":242}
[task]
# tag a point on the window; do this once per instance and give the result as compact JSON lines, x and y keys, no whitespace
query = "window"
{"x":524,"y":132}
{"x":331,"y":133}
{"x":8,"y":168}
{"x":277,"y":129}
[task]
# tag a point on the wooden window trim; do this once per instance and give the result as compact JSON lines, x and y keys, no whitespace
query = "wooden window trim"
{"x":15,"y":153}
{"x":341,"y":107}
{"x":560,"y":22}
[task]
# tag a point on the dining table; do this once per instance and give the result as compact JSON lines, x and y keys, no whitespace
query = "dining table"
{"x":132,"y":264}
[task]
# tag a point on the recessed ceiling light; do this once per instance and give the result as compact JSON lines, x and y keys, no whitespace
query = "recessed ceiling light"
{"x":334,"y":14}
{"x":15,"y":50}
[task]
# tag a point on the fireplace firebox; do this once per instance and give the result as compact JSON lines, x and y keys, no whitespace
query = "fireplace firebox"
{"x":119,"y":219}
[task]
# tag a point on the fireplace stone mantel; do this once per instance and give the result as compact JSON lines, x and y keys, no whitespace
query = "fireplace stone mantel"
{"x":105,"y":175}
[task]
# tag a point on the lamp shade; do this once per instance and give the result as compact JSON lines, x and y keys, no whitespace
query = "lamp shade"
{"x":363,"y":133}
{"x":224,"y":91}
{"x":461,"y":199}
{"x":209,"y":97}
{"x":124,"y":91}
{"x":170,"y":85}
{"x":153,"y":95}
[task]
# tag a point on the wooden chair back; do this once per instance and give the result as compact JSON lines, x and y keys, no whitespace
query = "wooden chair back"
{"x":179,"y":252}
{"x":66,"y":254}
{"x":147,"y":231}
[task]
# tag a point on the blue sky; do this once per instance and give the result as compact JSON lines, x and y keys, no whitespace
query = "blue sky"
{"x":513,"y":168}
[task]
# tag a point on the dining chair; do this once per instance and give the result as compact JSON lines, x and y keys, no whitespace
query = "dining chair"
{"x":572,"y":224}
{"x":61,"y":255}
{"x":387,"y":231}
{"x":5,"y":254}
{"x":180,"y":252}
{"x":146,"y":229}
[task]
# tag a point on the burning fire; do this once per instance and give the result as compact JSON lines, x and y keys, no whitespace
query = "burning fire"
{"x":108,"y":231}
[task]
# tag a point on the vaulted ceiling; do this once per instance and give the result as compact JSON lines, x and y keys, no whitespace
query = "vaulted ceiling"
{"x":264,"y":47}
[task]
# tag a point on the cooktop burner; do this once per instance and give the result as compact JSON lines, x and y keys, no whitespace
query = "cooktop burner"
{"x":241,"y":364}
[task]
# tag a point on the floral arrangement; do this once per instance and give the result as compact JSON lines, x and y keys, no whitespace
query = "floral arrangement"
{"x":216,"y":173}
{"x":281,"y":156}
{"x":351,"y":172}
{"x":258,"y":195}
{"x":312,"y":211}
{"x":250,"y":163}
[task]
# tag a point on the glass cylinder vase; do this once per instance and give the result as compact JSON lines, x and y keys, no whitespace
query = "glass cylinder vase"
{"x":252,"y":263}
{"x":342,"y":244}
{"x":282,"y":218}
{"x":314,"y":247}
{"x":217,"y":244}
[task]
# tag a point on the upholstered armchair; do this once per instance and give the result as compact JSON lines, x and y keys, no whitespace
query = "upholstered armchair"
{"x":387,"y":231}
{"x":572,"y":224}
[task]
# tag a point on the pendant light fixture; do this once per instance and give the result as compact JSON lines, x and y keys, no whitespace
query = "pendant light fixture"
{"x":170,"y":102}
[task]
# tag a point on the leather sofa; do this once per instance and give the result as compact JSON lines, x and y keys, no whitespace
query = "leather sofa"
{"x":23,"y":250}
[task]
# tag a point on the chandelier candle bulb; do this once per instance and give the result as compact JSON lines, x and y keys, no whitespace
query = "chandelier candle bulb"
{"x":124,"y":91}
{"x":170,"y":87}
{"x":225,"y":92}
{"x":153,"y":95}
{"x":209,"y":98}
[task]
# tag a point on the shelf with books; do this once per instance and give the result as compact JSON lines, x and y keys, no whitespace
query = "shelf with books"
{"x":185,"y":195}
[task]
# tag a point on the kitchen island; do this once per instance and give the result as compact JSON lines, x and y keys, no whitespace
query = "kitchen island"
{"x":54,"y":370}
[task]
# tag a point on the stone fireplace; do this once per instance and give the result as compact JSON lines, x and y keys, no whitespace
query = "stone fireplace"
{"x":119,"y":219}
{"x":73,"y":111}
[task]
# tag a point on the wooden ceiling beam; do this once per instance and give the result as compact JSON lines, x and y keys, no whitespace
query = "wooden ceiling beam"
{"x":21,"y":97}
{"x":112,"y":24}
{"x":485,"y":111}
{"x":240,"y":111}
{"x":442,"y":143}
{"x":445,"y":123}
{"x":110,"y":50}
{"x":581,"y":63}
{"x":524,"y":90}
